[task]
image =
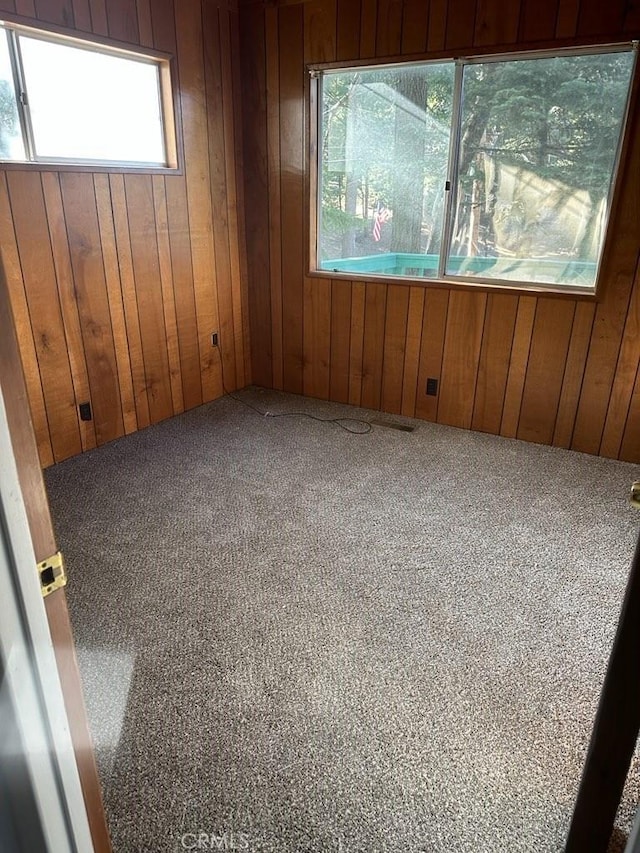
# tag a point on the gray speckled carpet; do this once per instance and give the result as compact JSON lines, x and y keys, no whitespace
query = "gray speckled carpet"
{"x":297,"y":639}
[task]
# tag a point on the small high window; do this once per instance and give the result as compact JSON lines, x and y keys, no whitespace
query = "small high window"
{"x":494,"y":170}
{"x":70,"y":101}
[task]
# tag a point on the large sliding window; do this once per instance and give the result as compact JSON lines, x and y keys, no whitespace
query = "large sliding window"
{"x":493,"y":170}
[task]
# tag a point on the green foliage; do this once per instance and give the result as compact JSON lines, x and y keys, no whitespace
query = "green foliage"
{"x":386,"y":133}
{"x":8,"y":118}
{"x":386,"y":130}
{"x":559,"y":116}
{"x":336,"y":221}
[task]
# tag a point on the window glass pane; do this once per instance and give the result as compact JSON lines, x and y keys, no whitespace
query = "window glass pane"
{"x":91,"y":105}
{"x":537,"y":152}
{"x":11,"y":143}
{"x":384,"y":150}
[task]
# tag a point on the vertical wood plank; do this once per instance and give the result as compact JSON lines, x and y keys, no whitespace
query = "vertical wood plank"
{"x":257,"y":208}
{"x":496,"y":22}
{"x":26,"y":8}
{"x":631,"y":23}
{"x":116,"y":305}
{"x":463,"y":338}
{"x":145,"y":24}
{"x":244,"y":375}
{"x":495,"y":355}
{"x":389,"y":28}
{"x":186,"y":319}
{"x":340,"y":341}
{"x":164,"y":37}
{"x":129,"y":299}
{"x":55,"y":12}
{"x":275,"y":200}
{"x":545,"y":369}
{"x":368,"y":18}
{"x":99,"y":24}
{"x":372,"y":351}
{"x":82,"y":15}
{"x":317,"y":337}
{"x":617,"y":278}
{"x":319,"y":46}
{"x":220,"y":191}
{"x":68,"y":303}
{"x":630,"y":448}
{"x":348,"y":29}
{"x":81,"y":216}
{"x":436,"y":307}
{"x":437,"y":30}
{"x":412,"y":351}
{"x":461,"y":20}
{"x":625,"y":375}
{"x":538,"y":20}
{"x":163,"y":25}
{"x":34,"y":247}
{"x":567,"y":20}
{"x":24,"y":333}
{"x":122,"y":20}
{"x":415,"y":19}
{"x":168,"y":294}
{"x":233,"y":198}
{"x":518,"y":365}
{"x":573,"y":373}
{"x":146,"y":270}
{"x":292,"y":120}
{"x":320,"y":30}
{"x":600,"y":369}
{"x":598,"y":18}
{"x":194,"y":116}
{"x":395,"y":338}
{"x":356,"y":344}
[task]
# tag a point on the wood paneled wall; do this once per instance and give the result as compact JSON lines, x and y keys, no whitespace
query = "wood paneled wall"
{"x":560,"y":371}
{"x":118,"y":280}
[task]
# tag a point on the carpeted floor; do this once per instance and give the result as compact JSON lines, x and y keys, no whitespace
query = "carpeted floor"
{"x":297,"y":639}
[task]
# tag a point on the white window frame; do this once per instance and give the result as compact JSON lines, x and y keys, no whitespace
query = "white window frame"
{"x":159,"y":60}
{"x":316,"y":75}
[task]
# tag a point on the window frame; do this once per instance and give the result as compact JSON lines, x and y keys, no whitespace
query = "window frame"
{"x":315,"y":73}
{"x":168,"y":98}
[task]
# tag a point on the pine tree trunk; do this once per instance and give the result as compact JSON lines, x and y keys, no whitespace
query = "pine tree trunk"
{"x":408,"y":183}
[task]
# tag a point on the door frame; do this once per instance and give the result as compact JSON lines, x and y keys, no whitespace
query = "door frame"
{"x":30,"y":674}
{"x":43,"y":541}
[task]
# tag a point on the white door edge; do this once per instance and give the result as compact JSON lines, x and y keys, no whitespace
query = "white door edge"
{"x":31,"y":674}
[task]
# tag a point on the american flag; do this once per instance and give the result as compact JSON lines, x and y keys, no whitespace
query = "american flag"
{"x":381,"y":214}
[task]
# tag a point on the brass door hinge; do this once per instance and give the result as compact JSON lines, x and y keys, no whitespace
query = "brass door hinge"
{"x":635,"y":494}
{"x":52,"y":574}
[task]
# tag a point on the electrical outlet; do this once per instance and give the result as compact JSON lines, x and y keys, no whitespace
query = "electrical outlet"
{"x":85,"y":411}
{"x":432,"y":387}
{"x":214,"y":339}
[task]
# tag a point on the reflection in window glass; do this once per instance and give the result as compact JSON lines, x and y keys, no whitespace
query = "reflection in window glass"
{"x":385,"y":146}
{"x":11,"y":142}
{"x":517,"y":191}
{"x":537,"y":152}
{"x":88,"y":105}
